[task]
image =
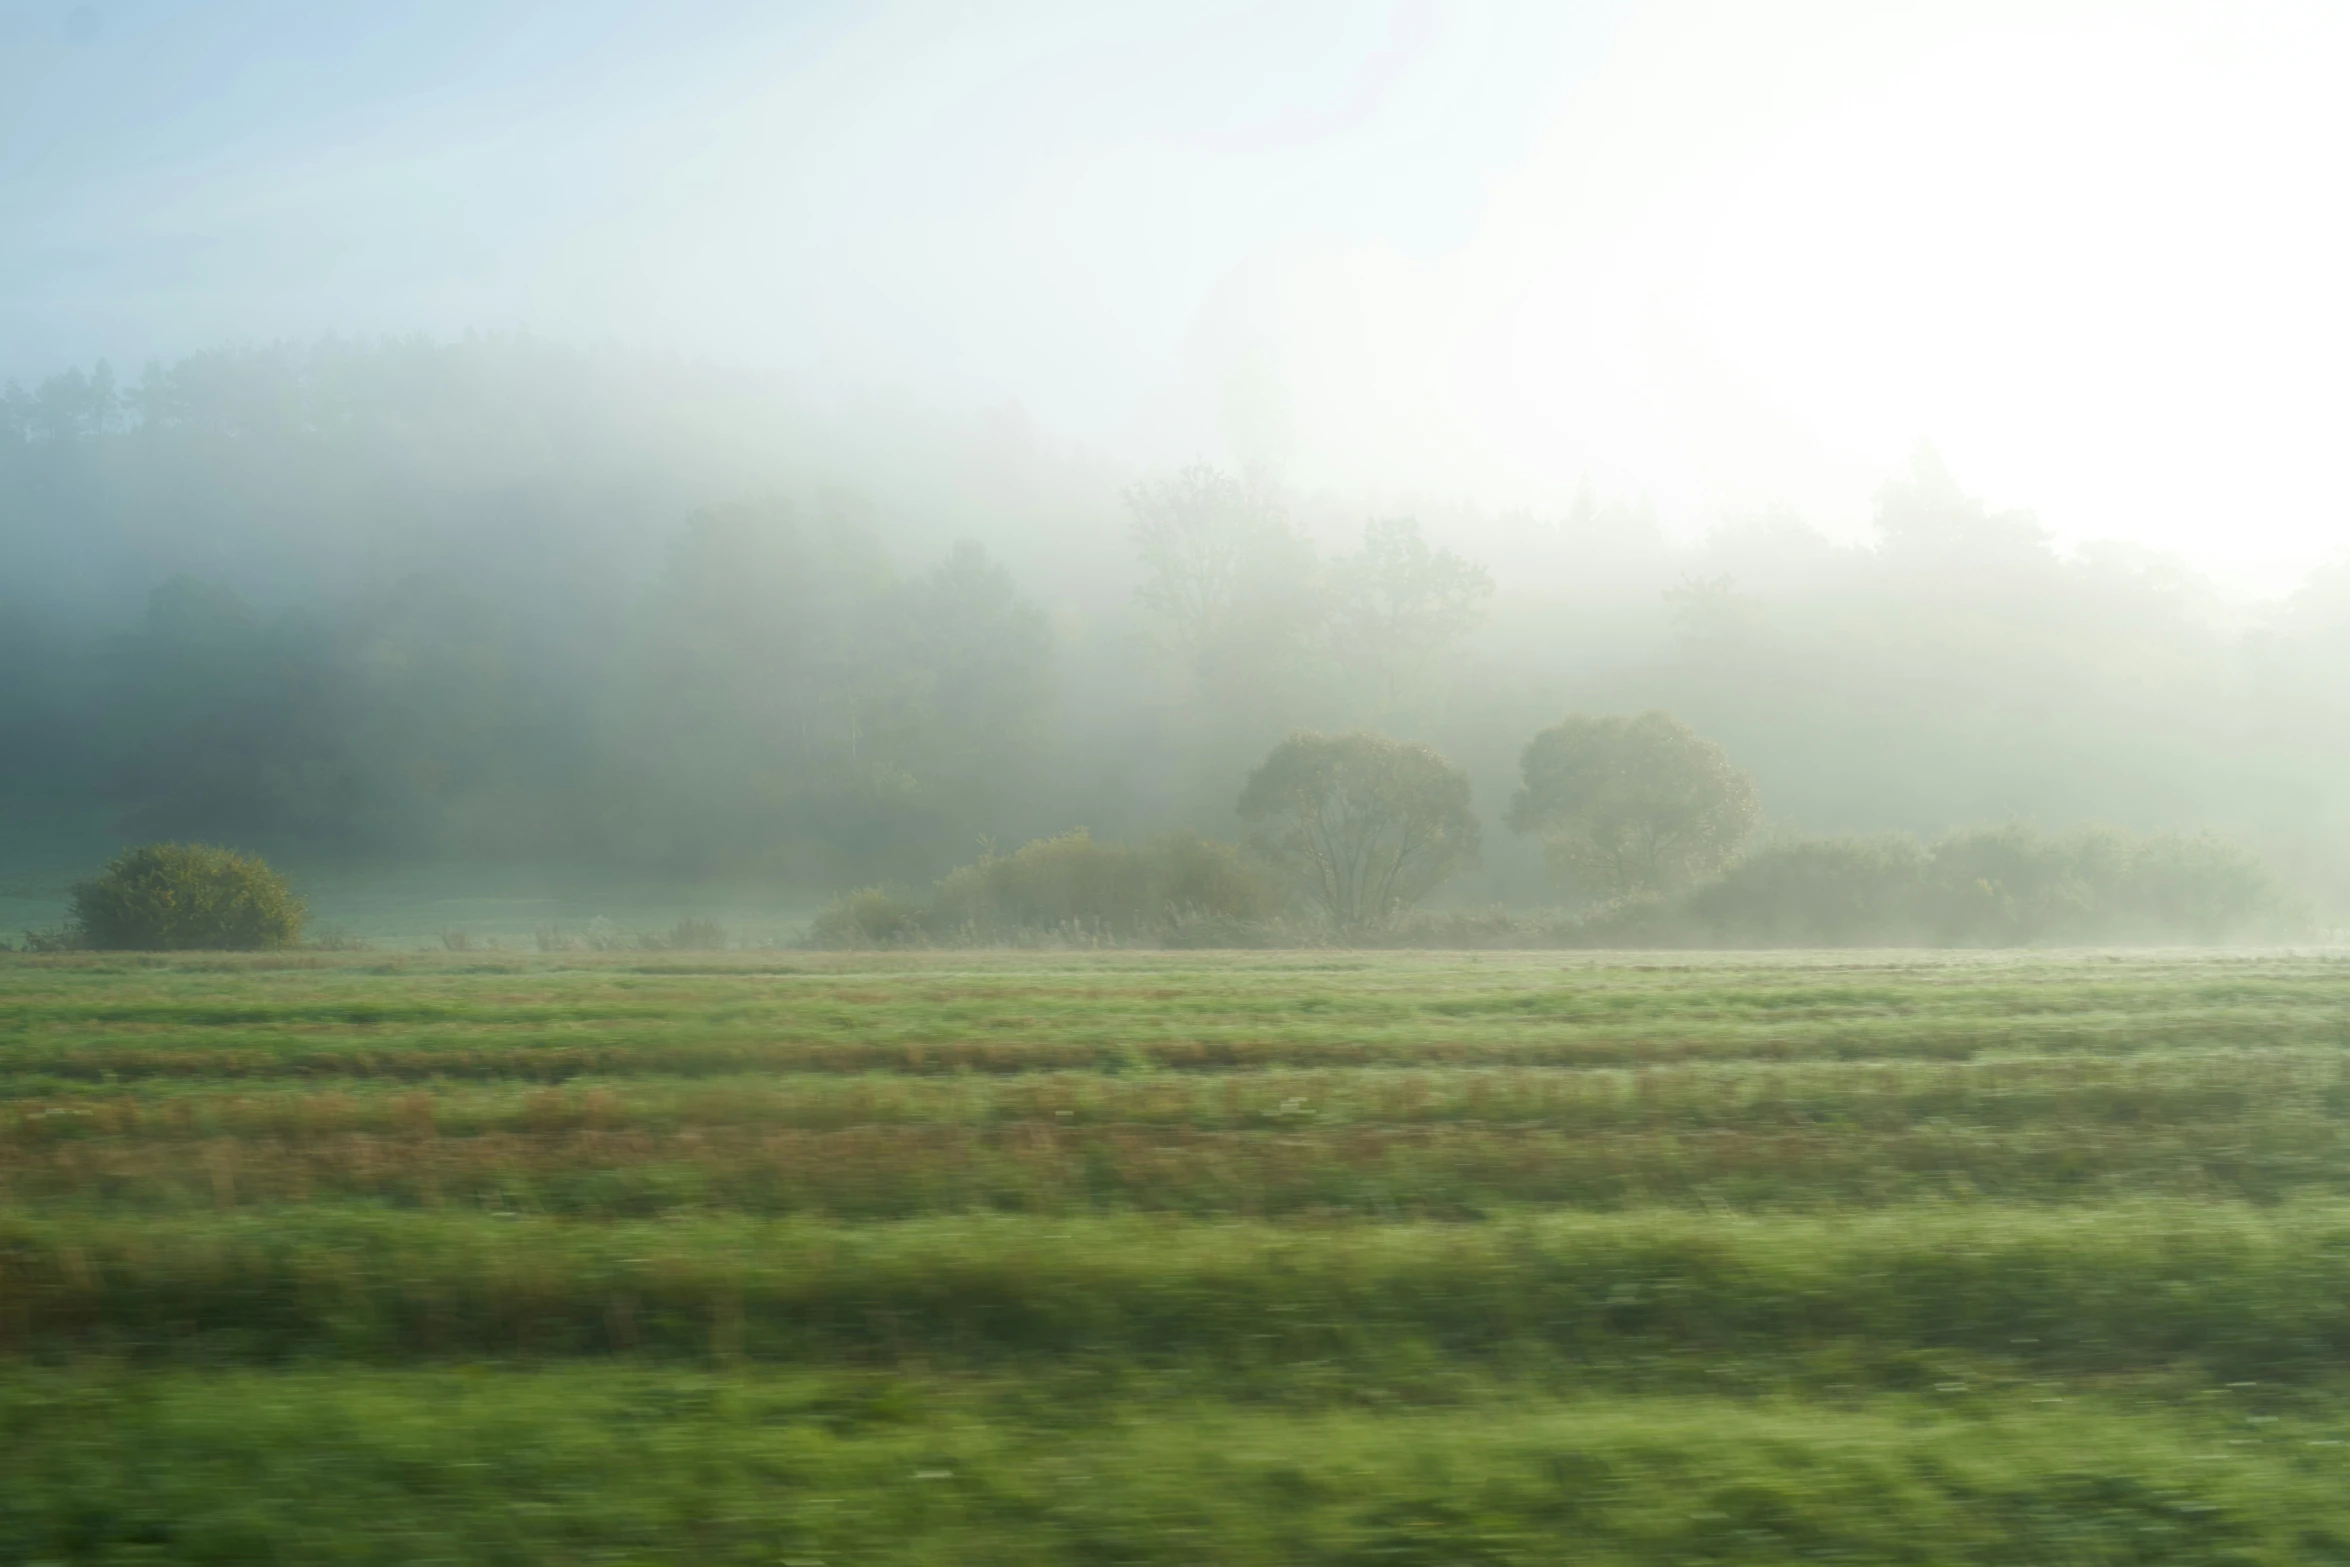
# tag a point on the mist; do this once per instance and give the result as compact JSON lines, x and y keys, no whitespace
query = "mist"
{"x":813,"y":450}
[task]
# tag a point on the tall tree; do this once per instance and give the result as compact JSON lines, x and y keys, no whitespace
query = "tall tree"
{"x":1365,"y":826}
{"x":1632,"y":805}
{"x":1397,"y":605}
{"x":982,"y":660}
{"x":787,"y":696}
{"x":1221,"y":563}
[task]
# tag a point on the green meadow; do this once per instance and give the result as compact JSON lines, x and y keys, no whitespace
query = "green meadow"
{"x":1175,"y":1257}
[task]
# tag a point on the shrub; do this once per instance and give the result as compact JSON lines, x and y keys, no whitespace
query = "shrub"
{"x":1074,"y":886}
{"x":1187,"y":929}
{"x":1052,"y":884}
{"x":867,"y":918}
{"x":2009,"y":886}
{"x":604,"y":936}
{"x":692,"y":934}
{"x":2206,"y":888}
{"x":1204,"y":881}
{"x":1178,"y":890}
{"x":1633,"y":921}
{"x":1817,"y":892}
{"x":176,"y":897}
{"x":1994,"y":886}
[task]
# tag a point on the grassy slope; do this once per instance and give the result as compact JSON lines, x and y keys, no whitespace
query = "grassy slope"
{"x":1160,"y":1257}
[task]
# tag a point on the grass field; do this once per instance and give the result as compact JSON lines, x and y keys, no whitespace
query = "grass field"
{"x":1406,"y":1258}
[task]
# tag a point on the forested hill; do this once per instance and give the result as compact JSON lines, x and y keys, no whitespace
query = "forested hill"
{"x":299,"y":473}
{"x":501,"y":596}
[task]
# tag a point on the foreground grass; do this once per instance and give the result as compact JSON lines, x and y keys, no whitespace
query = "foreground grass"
{"x":1164,"y":1257}
{"x":615,"y":1464}
{"x":2241,"y":1293}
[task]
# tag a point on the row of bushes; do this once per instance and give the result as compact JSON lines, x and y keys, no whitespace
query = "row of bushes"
{"x":1176,"y":890}
{"x":2004,"y":886}
{"x":1987,"y":887}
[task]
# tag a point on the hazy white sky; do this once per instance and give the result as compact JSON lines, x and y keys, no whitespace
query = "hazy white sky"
{"x":1733,"y":256}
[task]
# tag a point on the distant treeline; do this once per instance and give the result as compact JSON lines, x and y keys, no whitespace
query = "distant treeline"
{"x":780,"y":700}
{"x":501,"y":598}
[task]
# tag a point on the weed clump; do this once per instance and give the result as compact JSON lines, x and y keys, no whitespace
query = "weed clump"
{"x":693,"y":934}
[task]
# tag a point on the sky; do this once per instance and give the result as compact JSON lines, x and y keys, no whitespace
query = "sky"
{"x":1732,"y":257}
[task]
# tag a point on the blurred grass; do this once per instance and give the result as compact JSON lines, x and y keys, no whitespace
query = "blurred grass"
{"x":1151,"y":1257}
{"x":623,"y":1164}
{"x":2239,"y":1292}
{"x":621,"y":1465}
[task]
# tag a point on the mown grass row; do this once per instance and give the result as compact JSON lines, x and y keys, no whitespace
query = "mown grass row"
{"x":1451,"y":1171}
{"x":1016,"y":1047}
{"x":550,"y":1023}
{"x":1076,"y":991}
{"x":615,"y":1465}
{"x":2153,"y":1089}
{"x":2239,"y":1292}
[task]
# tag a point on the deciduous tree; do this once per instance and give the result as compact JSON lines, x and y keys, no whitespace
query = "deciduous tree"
{"x":1364,"y":825}
{"x":1397,"y":605}
{"x":1632,"y":805}
{"x":1223,"y":569}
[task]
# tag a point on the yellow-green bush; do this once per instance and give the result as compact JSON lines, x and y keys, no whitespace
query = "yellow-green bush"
{"x":1075,"y":886}
{"x":868,"y":917}
{"x":176,"y":897}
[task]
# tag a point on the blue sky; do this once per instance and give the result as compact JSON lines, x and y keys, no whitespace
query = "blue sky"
{"x":810,"y":183}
